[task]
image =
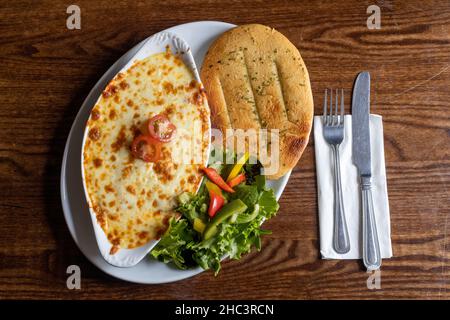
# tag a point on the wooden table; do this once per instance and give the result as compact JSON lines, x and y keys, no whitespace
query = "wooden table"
{"x":47,"y":71}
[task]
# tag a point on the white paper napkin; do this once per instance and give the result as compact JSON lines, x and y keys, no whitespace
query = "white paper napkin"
{"x":351,"y":190}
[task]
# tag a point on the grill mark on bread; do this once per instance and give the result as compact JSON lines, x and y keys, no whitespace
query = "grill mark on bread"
{"x":252,"y":91}
{"x":222,"y":94}
{"x":282,"y":92}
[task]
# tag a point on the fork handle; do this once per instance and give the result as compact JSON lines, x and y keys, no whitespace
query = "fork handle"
{"x":371,"y":247}
{"x":341,"y":240}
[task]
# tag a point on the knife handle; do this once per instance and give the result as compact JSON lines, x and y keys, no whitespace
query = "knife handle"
{"x":341,"y":240}
{"x":371,"y":247}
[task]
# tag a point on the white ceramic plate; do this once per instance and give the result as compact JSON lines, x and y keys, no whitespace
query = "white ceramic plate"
{"x":198,"y":35}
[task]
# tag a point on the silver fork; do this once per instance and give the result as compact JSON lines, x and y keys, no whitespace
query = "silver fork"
{"x":333,"y":132}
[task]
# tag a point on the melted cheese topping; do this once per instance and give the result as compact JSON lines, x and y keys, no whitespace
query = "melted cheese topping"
{"x":132,"y":199}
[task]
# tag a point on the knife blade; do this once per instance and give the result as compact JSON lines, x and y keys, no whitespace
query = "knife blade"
{"x":360,"y":124}
{"x":362,"y":160}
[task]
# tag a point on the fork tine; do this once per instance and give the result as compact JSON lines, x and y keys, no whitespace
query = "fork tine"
{"x":336,"y":114}
{"x":325,"y":107}
{"x":342,"y":107}
{"x":329,"y":122}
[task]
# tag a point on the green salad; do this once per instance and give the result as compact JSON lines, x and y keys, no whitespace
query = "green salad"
{"x":223,"y":219}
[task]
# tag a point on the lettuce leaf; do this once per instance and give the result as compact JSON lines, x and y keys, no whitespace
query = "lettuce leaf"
{"x":174,"y":245}
{"x":195,"y":206}
{"x":247,"y":193}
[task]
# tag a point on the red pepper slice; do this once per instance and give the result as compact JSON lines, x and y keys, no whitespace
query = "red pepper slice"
{"x":146,"y":148}
{"x":236,"y":180}
{"x":160,"y":128}
{"x":212,"y":175}
{"x":216,"y":202}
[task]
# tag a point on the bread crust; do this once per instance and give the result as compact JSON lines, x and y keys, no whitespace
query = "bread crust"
{"x":254,"y":77}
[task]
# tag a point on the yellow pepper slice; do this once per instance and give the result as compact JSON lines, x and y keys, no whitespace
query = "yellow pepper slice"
{"x":238,"y":166}
{"x":199,"y":225}
{"x":213,"y":187}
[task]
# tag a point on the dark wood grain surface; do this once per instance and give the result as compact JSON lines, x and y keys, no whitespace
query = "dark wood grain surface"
{"x":46,"y":71}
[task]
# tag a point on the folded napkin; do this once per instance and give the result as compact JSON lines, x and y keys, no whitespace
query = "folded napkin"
{"x":351,"y":190}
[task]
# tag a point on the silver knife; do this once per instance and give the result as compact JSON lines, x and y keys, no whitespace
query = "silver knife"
{"x":362,"y":160}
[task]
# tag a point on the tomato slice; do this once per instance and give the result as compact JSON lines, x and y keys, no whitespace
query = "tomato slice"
{"x":160,"y":128}
{"x":146,"y":148}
